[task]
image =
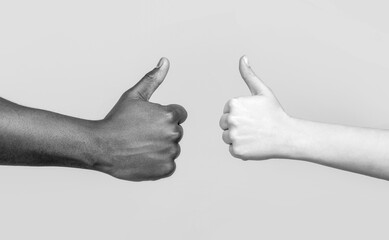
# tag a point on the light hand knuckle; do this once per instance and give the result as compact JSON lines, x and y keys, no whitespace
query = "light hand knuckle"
{"x":238,"y":152}
{"x":225,"y":137}
{"x":233,"y":134}
{"x":232,"y":103}
{"x":232,"y":120}
{"x":221,"y":122}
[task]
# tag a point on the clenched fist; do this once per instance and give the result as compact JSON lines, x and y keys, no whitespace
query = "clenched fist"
{"x":139,"y":139}
{"x":256,"y":127}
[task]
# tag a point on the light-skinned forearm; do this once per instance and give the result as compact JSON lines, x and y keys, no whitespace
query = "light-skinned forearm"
{"x":360,"y":150}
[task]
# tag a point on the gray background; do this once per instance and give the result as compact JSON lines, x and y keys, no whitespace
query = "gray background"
{"x":325,"y":61}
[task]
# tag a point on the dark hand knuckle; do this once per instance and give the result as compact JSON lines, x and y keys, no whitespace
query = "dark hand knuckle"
{"x":175,"y":151}
{"x":150,"y":77}
{"x":178,"y":133}
{"x":169,"y":115}
{"x":168,"y":168}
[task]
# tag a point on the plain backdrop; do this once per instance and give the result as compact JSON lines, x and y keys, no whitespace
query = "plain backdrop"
{"x":325,"y":61}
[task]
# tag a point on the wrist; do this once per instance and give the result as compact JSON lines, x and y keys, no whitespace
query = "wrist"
{"x":88,"y":153}
{"x":308,"y":144}
{"x":77,"y":148}
{"x":297,"y":139}
{"x":97,"y":155}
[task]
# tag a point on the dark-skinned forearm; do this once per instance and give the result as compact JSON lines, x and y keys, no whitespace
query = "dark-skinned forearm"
{"x":33,"y":137}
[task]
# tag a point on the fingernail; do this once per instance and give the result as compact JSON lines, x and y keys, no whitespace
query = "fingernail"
{"x":160,"y":63}
{"x":246,"y":60}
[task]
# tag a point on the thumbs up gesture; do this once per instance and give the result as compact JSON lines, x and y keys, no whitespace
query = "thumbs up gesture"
{"x":138,"y":139}
{"x":256,"y":127}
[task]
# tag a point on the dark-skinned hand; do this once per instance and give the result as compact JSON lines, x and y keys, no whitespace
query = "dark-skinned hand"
{"x":139,"y":139}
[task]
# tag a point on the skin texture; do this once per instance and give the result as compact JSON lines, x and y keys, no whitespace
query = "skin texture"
{"x":257,"y":128}
{"x":136,"y":141}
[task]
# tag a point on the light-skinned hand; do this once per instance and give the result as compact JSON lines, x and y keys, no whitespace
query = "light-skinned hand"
{"x":256,"y":127}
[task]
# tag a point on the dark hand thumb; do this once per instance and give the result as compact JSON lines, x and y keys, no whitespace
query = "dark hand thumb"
{"x":150,"y":82}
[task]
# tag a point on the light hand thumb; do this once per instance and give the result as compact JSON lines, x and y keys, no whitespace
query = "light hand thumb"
{"x":254,"y":83}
